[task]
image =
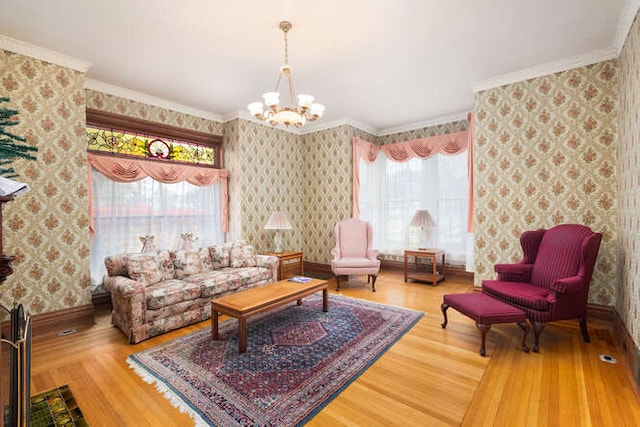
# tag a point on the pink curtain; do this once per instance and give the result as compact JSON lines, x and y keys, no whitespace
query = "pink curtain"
{"x":448,"y":144}
{"x":128,"y":170}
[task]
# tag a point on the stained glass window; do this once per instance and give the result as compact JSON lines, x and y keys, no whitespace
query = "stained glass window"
{"x":135,"y":144}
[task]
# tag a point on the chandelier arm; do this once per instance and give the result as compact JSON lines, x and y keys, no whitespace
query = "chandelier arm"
{"x":278,"y":81}
{"x":292,"y":92}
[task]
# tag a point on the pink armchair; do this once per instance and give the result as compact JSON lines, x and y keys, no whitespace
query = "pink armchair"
{"x":551,"y":282}
{"x":353,"y":254}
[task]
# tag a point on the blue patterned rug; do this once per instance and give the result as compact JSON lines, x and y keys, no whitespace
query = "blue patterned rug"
{"x":298,"y":359}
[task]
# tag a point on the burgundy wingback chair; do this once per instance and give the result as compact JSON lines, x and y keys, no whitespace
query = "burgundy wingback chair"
{"x":354,"y":253}
{"x":551,"y":282}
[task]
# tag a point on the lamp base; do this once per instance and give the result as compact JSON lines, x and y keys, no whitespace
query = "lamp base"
{"x":277,"y":240}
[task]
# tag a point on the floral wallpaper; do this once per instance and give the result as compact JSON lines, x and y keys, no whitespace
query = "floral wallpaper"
{"x":545,"y":155}
{"x":327,"y":187}
{"x":115,"y":104}
{"x":47,"y":228}
{"x":628,"y":166}
{"x":441,"y":129}
{"x":265,"y":175}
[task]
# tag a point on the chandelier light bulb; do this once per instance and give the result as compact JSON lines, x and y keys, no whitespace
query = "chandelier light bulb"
{"x":271,"y":99}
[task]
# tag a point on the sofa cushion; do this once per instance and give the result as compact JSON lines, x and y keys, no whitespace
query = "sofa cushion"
{"x":242,"y":256}
{"x":228,"y":279}
{"x":165,"y":264}
{"x":144,"y":268}
{"x":523,"y":295}
{"x":219,"y":256}
{"x":186,"y":263}
{"x":170,"y":292}
{"x":205,"y":259}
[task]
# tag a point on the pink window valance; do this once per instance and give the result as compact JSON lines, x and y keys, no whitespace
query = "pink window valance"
{"x":447,"y":144}
{"x":129,"y":170}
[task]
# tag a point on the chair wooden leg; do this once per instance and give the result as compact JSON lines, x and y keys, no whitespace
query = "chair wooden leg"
{"x":373,"y":281}
{"x":583,"y":329}
{"x":444,"y":308}
{"x":537,"y":329}
{"x":484,"y":328}
{"x":337,"y":283}
{"x":525,"y":332}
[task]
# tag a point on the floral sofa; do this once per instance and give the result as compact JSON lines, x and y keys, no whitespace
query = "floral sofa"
{"x":153,"y":293}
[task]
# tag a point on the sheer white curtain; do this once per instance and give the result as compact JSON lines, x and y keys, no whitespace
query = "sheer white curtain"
{"x":391,"y":192}
{"x":125,"y":211}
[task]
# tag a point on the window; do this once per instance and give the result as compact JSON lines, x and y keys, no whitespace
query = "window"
{"x":149,"y":179}
{"x":391,"y":192}
{"x":125,"y":211}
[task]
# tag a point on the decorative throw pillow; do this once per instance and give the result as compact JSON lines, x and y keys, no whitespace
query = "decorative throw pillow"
{"x":144,"y":269}
{"x":165,"y":264}
{"x":205,"y":259}
{"x":186,"y":263}
{"x":219,"y":256}
{"x":242,"y":256}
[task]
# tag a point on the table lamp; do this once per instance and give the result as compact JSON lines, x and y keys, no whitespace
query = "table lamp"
{"x":423,"y":219}
{"x":278,"y":221}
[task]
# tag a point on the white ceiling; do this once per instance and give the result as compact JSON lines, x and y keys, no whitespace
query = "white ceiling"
{"x":382,"y":63}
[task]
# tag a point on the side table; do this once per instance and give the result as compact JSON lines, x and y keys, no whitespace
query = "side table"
{"x":434,"y":277}
{"x":291,"y":263}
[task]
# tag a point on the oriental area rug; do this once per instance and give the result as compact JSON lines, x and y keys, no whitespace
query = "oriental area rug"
{"x":298,"y":359}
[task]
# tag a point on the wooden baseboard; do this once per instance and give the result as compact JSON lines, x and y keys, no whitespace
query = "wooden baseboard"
{"x":62,"y":320}
{"x":323,"y":271}
{"x":319,"y":271}
{"x":601,"y":312}
{"x":102,"y":299}
{"x":628,"y":349}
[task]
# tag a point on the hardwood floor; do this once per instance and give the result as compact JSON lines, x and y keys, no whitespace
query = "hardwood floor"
{"x":430,"y":377}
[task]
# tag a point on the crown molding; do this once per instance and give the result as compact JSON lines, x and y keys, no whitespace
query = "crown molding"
{"x":43,"y":54}
{"x":546,"y":69}
{"x":461,"y":115}
{"x":148,"y":99}
{"x":625,"y":21}
{"x":321,"y":126}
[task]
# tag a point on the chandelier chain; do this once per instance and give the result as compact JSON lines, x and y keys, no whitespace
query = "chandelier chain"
{"x":286,"y":48}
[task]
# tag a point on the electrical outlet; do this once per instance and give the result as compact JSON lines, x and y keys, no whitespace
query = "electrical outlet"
{"x":607,"y":358}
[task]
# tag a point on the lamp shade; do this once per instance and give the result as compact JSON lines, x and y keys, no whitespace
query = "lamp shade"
{"x":422,"y":219}
{"x":278,"y":221}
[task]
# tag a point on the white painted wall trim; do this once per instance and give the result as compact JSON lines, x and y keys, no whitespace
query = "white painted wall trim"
{"x":43,"y":54}
{"x":546,"y":69}
{"x":148,"y":99}
{"x":625,"y":22}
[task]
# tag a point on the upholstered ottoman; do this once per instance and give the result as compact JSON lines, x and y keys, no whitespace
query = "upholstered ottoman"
{"x":486,"y":311}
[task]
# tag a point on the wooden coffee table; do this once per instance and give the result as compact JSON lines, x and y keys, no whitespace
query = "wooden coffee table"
{"x":245,"y":304}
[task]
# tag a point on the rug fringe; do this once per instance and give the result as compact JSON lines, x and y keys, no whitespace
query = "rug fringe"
{"x":170,"y":395}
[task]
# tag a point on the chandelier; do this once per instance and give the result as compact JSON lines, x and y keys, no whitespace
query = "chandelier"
{"x":301,"y":108}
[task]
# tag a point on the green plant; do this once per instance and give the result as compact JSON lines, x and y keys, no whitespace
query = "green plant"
{"x":10,"y":144}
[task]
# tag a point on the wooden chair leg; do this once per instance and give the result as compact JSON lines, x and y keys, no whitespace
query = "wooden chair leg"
{"x":444,"y":308}
{"x":583,"y":329}
{"x":537,"y":329}
{"x":373,"y":281}
{"x":337,"y":283}
{"x":483,"y":330}
{"x":525,"y":332}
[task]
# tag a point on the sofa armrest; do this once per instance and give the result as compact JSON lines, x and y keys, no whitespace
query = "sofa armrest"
{"x":270,"y":262}
{"x":372,"y":254}
{"x":514,"y":272}
{"x":129,"y":302}
{"x":568,"y":284}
